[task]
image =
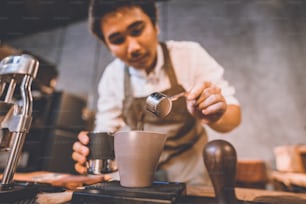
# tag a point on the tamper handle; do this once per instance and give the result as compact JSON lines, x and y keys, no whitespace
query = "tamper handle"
{"x":220,"y":159}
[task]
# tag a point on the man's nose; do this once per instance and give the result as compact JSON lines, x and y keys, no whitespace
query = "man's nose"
{"x":134,"y":48}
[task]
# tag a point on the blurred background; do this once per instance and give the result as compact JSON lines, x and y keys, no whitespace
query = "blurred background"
{"x":261,"y":44}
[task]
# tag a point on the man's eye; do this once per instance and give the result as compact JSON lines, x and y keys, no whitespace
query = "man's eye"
{"x":117,"y":40}
{"x":137,"y":30}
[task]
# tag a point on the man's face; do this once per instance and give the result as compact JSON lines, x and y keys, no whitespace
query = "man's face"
{"x":131,"y":36}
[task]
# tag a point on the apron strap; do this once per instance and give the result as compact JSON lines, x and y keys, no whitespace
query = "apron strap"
{"x":168,"y":65}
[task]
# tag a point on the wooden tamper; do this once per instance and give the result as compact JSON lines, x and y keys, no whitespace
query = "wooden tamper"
{"x":220,"y":159}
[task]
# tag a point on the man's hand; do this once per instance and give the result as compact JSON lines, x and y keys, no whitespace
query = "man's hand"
{"x":80,"y":152}
{"x":206,"y":102}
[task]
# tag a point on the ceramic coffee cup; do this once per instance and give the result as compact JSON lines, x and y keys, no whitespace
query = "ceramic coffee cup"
{"x":101,"y":158}
{"x":137,"y":154}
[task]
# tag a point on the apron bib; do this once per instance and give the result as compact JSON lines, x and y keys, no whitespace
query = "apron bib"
{"x":181,"y":159}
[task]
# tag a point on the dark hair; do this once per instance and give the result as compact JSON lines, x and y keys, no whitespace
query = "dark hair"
{"x":99,"y":8}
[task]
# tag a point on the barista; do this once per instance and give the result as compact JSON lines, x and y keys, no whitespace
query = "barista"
{"x":144,"y":65}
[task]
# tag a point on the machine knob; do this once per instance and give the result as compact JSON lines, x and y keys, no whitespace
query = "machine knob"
{"x":220,"y":159}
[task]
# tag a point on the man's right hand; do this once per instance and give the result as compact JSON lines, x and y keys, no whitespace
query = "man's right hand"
{"x":80,"y":152}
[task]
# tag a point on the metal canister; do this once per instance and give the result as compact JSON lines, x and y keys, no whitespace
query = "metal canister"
{"x":159,"y":104}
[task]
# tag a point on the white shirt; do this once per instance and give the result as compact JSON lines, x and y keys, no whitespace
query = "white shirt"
{"x":192,"y":65}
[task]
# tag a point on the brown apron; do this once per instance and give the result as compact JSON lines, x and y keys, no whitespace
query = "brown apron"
{"x":181,"y":159}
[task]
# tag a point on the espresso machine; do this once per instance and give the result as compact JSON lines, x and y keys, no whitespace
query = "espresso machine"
{"x":16,"y":71}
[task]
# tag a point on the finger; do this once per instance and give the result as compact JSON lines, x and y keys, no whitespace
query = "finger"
{"x":210,"y":100}
{"x":80,"y":168}
{"x":197,"y":90}
{"x":79,"y":158}
{"x":83,"y":137}
{"x":211,"y":90}
{"x":207,"y":92}
{"x":80,"y":148}
{"x":219,"y":107}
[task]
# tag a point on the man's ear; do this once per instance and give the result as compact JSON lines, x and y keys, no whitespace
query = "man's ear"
{"x":157,"y":29}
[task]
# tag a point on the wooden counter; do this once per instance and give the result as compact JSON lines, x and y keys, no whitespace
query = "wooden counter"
{"x":246,"y":194}
{"x":264,"y":196}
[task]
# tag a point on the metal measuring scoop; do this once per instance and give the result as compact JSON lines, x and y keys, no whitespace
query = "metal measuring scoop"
{"x":161,"y":104}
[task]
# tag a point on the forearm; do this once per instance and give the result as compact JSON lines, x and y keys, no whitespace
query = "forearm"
{"x":230,"y":119}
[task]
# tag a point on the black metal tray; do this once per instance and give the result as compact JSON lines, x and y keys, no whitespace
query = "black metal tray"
{"x":159,"y":192}
{"x":113,"y":193}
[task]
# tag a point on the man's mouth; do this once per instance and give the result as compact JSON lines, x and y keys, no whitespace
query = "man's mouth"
{"x":139,"y":60}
